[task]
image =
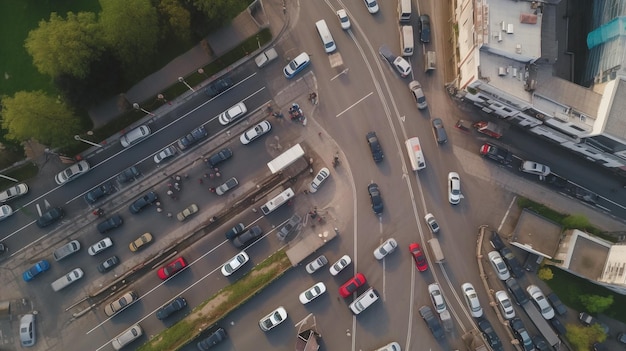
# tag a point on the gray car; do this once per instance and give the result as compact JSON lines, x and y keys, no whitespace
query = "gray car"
{"x":247,"y":237}
{"x":439,"y":131}
{"x":28,"y":336}
{"x":228,"y":185}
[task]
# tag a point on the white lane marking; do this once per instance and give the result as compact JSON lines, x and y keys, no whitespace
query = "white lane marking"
{"x":506,"y":214}
{"x":356,"y":103}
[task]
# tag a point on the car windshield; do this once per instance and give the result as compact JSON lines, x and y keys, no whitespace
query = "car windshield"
{"x":293,"y":65}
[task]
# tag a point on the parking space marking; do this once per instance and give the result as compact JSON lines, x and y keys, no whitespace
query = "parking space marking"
{"x":356,"y":103}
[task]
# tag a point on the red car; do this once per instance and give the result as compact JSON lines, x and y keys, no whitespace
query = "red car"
{"x":351,"y":285}
{"x":418,"y":256}
{"x":171,"y":268}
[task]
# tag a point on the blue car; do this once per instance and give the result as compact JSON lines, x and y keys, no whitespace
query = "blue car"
{"x":35,"y":270}
{"x":296,"y":65}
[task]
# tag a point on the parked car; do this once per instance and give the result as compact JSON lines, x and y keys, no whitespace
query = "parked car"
{"x":621,"y":338}
{"x":13,"y":192}
{"x":471,"y":298}
{"x":28,"y":333}
{"x":515,"y":268}
{"x":504,"y":302}
{"x":100,"y":246}
{"x":320,"y":177}
{"x":344,"y":20}
{"x":172,"y":268}
{"x":37,"y":269}
{"x":226,"y":186}
{"x":98,"y":192}
{"x":128,"y":175}
{"x":215,"y":338}
{"x":436,"y":297}
{"x":143,"y":201}
{"x":219,"y":157}
{"x":540,"y":300}
{"x":187,"y":212}
{"x":541,"y":344}
{"x":193,"y":137}
{"x":418,"y":94}
{"x":121,"y":303}
{"x":432,"y":223}
{"x":110,"y":223}
{"x":535,"y":168}
{"x":338,"y":266}
{"x":235,"y":263}
{"x":516,"y":291}
{"x":558,"y":327}
{"x":559,"y":307}
{"x":219,"y":86}
{"x":289,"y":227}
{"x":418,"y":257}
{"x":490,"y":335}
{"x":495,"y":241}
{"x":424,"y":28}
{"x":496,"y":153}
{"x":72,"y":172}
{"x":385,"y":248}
{"x":273,"y":319}
{"x":587,"y":320}
{"x":108,"y":264}
{"x":164,"y":154}
{"x":441,"y":137}
{"x":349,"y":287}
{"x":255,"y":132}
{"x":297,"y":65}
{"x":247,"y":237}
{"x":316,"y":264}
{"x":498,"y":265}
{"x":375,"y":148}
{"x":372,"y":6}
{"x":454,"y":188}
{"x":312,"y":293}
{"x":375,"y":198}
{"x":135,"y":135}
{"x":264,"y":58}
{"x":432,"y":322}
{"x":50,"y":216}
{"x":520,"y":333}
{"x":169,"y":308}
{"x":398,"y":62}
{"x":5,"y":212}
{"x":392,"y":346}
{"x":234,"y":231}
{"x":141,"y":242}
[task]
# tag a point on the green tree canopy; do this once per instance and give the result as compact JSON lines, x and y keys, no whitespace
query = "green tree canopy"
{"x":220,"y":11}
{"x":39,"y":116}
{"x":176,"y":18}
{"x":581,"y":337}
{"x":65,"y":46}
{"x":596,"y":303}
{"x":130,"y":29}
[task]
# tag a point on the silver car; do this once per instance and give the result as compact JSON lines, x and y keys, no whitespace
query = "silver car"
{"x":228,"y":185}
{"x":28,"y":336}
{"x":385,"y":248}
{"x":232,"y":113}
{"x":135,"y":136}
{"x":165,"y":154}
{"x":321,"y":176}
{"x":72,"y":172}
{"x":13,"y":192}
{"x":252,"y":134}
{"x":316,"y":264}
{"x":504,"y":302}
{"x":418,"y":94}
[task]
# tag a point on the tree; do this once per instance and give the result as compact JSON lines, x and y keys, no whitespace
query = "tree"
{"x":176,"y":18}
{"x":581,"y":337}
{"x":596,"y":303}
{"x":545,"y":273}
{"x":39,"y":116}
{"x":67,"y":46}
{"x":576,"y":222}
{"x":131,"y":30}
{"x":219,"y":12}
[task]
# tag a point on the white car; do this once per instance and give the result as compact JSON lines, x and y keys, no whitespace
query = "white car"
{"x":165,"y":154}
{"x":392,"y":346}
{"x":100,"y":246}
{"x":13,"y":192}
{"x":312,"y":293}
{"x":402,"y":66}
{"x":436,"y":297}
{"x":454,"y":188}
{"x":235,"y":263}
{"x":321,"y":176}
{"x":28,"y":335}
{"x":135,"y":136}
{"x":385,"y":248}
{"x":432,"y":223}
{"x":372,"y":6}
{"x":316,"y":264}
{"x":537,"y":295}
{"x":343,"y":19}
{"x":535,"y":168}
{"x":418,"y":94}
{"x":338,"y":266}
{"x":232,"y":113}
{"x":273,"y":319}
{"x":72,"y":172}
{"x":252,"y":134}
{"x":504,"y":302}
{"x":297,"y":65}
{"x":5,"y":212}
{"x":471,"y":298}
{"x":498,"y":265}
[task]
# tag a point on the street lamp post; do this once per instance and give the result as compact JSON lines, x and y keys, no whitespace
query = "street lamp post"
{"x":139,"y":108}
{"x":182,"y":80}
{"x":162,"y":98}
{"x":78,"y":138}
{"x":9,"y":178}
{"x":201,"y":71}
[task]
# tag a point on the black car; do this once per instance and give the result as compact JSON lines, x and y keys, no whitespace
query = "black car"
{"x":193,"y":137}
{"x":375,"y":148}
{"x":541,"y":344}
{"x":424,"y":26}
{"x":108,"y":264}
{"x":175,"y":305}
{"x":247,"y":237}
{"x":128,"y":175}
{"x":110,"y":223}
{"x":234,"y":231}
{"x":288,"y":228}
{"x":439,"y":131}
{"x":219,"y":157}
{"x":143,"y":201}
{"x":432,"y":322}
{"x":218,"y":87}
{"x":215,"y":338}
{"x":559,"y":307}
{"x":521,"y":334}
{"x":511,"y":261}
{"x":587,"y":319}
{"x":49,"y":217}
{"x":496,"y":153}
{"x":518,"y":293}
{"x":558,"y":327}
{"x":490,"y":334}
{"x":496,"y":241}
{"x":375,"y":197}
{"x":96,"y":193}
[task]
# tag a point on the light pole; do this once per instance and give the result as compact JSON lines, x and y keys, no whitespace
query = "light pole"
{"x":201,"y":71}
{"x":182,"y":80}
{"x":139,"y":108}
{"x":162,"y":98}
{"x":78,"y":138}
{"x":8,"y":178}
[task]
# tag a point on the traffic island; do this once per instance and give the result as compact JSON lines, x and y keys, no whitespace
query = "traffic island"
{"x":220,"y":305}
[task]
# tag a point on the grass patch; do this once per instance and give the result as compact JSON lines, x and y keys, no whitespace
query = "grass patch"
{"x":21,"y":173}
{"x":219,"y":305}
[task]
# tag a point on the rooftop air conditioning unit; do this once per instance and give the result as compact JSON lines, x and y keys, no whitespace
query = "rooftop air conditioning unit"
{"x":501,"y":71}
{"x":499,"y":37}
{"x":518,"y":48}
{"x":503,"y":25}
{"x":509,"y":28}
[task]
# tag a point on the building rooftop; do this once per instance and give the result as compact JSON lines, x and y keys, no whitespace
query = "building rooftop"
{"x":514,"y":30}
{"x":614,"y":271}
{"x":536,"y":234}
{"x":615,"y":123}
{"x":584,"y":255}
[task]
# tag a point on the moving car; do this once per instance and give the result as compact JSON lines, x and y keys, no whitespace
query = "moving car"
{"x":226,"y":186}
{"x":35,"y":270}
{"x":126,"y":337}
{"x":28,"y":334}
{"x":140,"y":242}
{"x":5,"y":212}
{"x":289,"y":227}
{"x":234,"y":231}
{"x":490,"y":335}
{"x":135,"y":136}
{"x":273,"y":319}
{"x":232,"y":113}
{"x":143,"y":201}
{"x":100,"y":246}
{"x":215,"y":338}
{"x":498,"y":265}
{"x":50,"y":216}
{"x":235,"y":263}
{"x":518,"y":293}
{"x":398,"y":62}
{"x":372,"y":6}
{"x":520,"y":333}
{"x":441,"y":137}
{"x":164,"y":154}
{"x":559,"y":307}
{"x":67,"y":279}
{"x":108,"y":264}
{"x":320,"y":177}
{"x":296,"y":65}
{"x":471,"y":298}
{"x":110,"y":223}
{"x":193,"y":137}
{"x":98,"y":192}
{"x":219,"y":157}
{"x":172,"y":268}
{"x":247,"y":237}
{"x":72,"y":172}
{"x":375,"y":198}
{"x":432,"y":322}
{"x":454,"y":188}
{"x":218,"y":87}
{"x":424,"y":28}
{"x":316,"y":264}
{"x":418,"y":94}
{"x":254,"y":133}
{"x":169,"y":308}
{"x":505,"y":304}
{"x":121,"y":303}
{"x":186,"y":213}
{"x":535,"y":168}
{"x":375,"y":148}
{"x":511,"y":261}
{"x":436,"y":297}
{"x":13,"y":192}
{"x":418,"y":257}
{"x":352,"y":285}
{"x":344,"y":20}
{"x":128,"y":175}
{"x":540,"y":300}
{"x":338,"y":266}
{"x":432,"y":223}
{"x":312,"y":293}
{"x":385,"y":248}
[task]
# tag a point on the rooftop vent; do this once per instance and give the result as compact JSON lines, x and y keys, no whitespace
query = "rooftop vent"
{"x":501,"y":71}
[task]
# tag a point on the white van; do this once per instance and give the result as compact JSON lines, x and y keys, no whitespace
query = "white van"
{"x":404,"y":10}
{"x":327,"y":38}
{"x":128,"y":336}
{"x":364,"y":301}
{"x":67,"y":279}
{"x":406,"y":40}
{"x":278,"y":201}
{"x":414,"y":150}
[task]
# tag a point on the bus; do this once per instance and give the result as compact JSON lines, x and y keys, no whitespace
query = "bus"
{"x":414,"y":150}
